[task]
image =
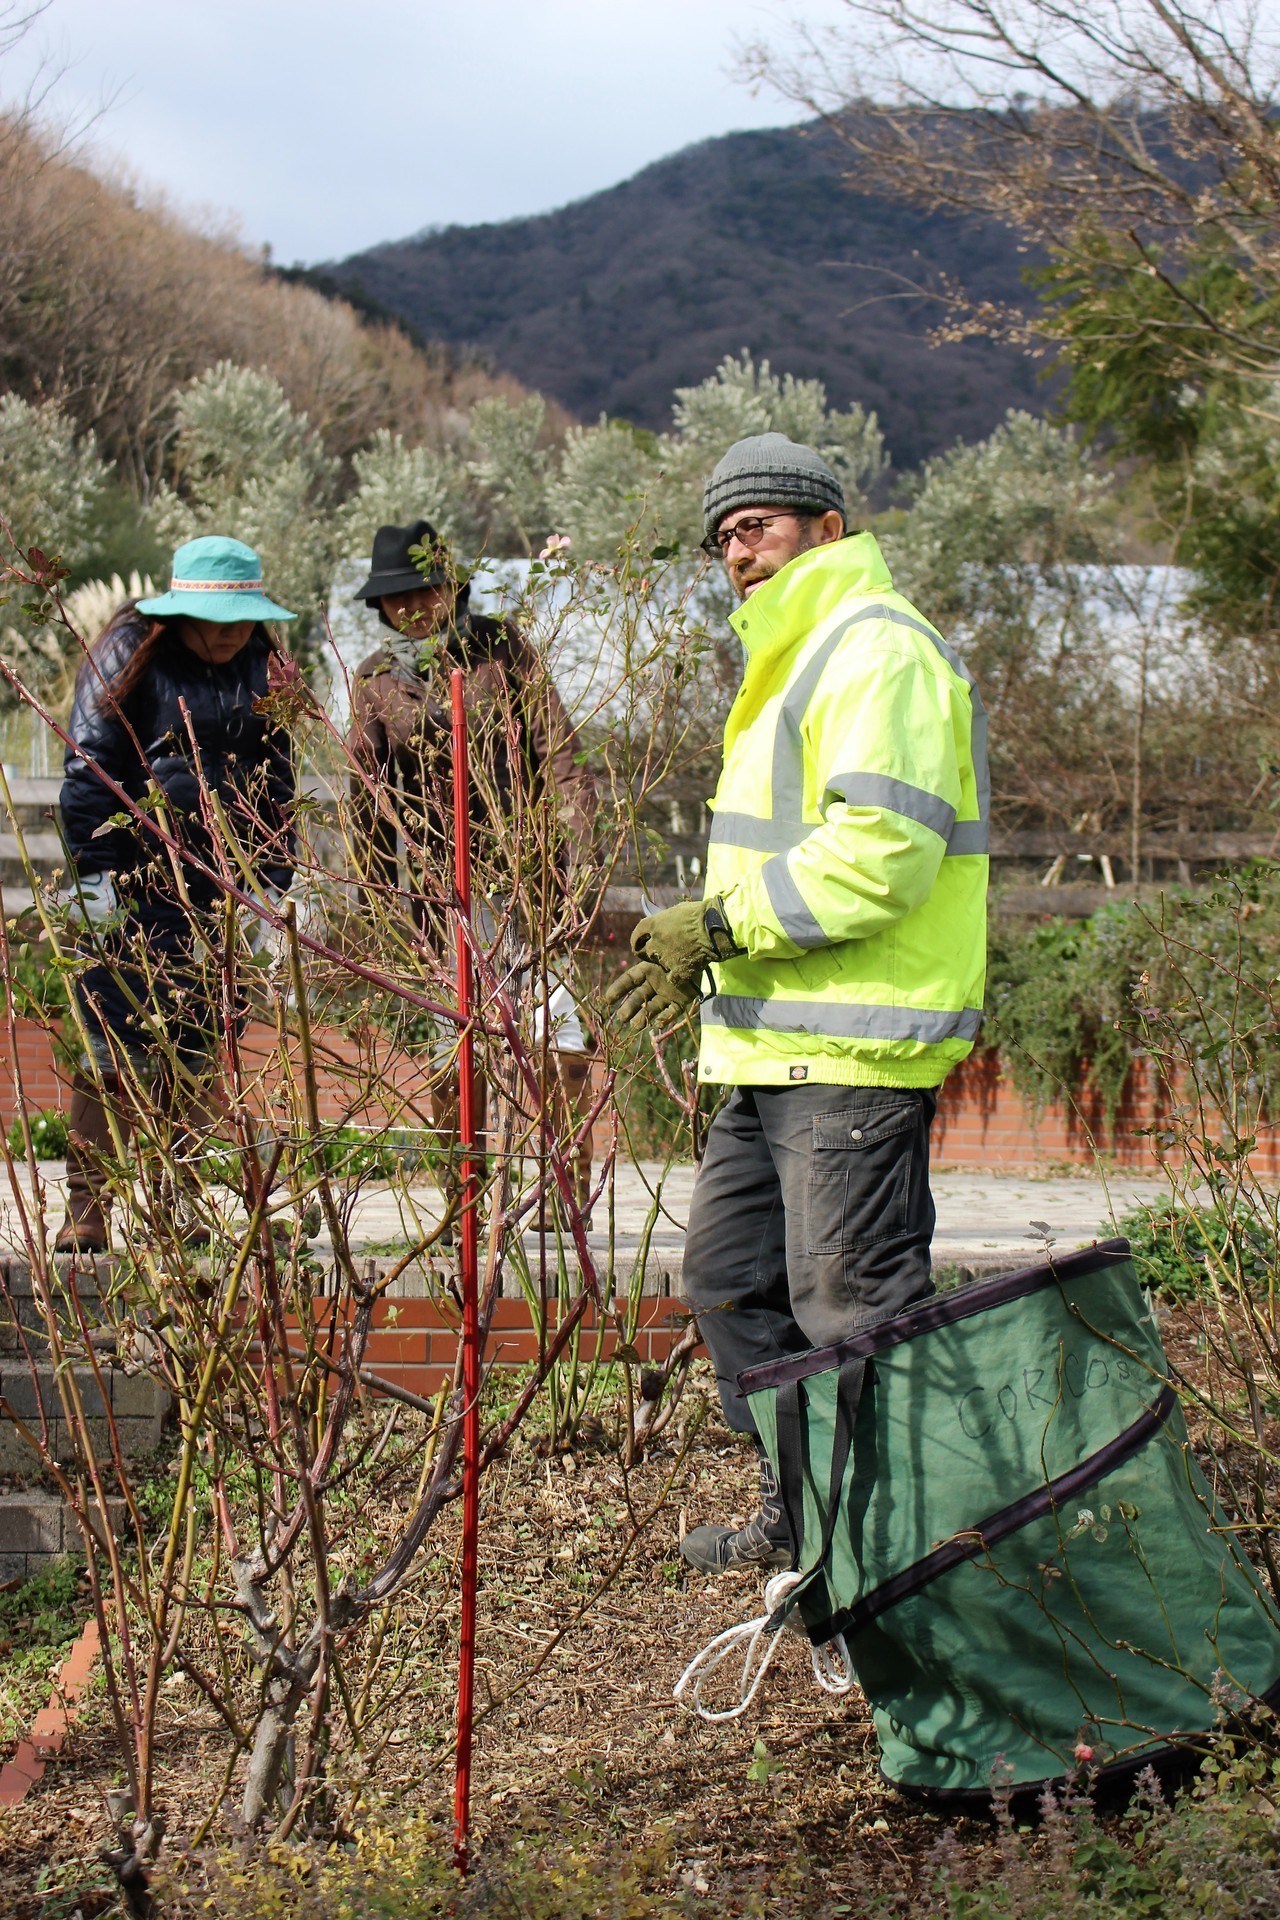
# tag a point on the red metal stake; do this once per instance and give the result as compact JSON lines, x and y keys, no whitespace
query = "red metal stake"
{"x":470,"y":1264}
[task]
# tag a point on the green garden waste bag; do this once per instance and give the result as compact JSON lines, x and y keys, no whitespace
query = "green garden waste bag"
{"x":998,"y":1508}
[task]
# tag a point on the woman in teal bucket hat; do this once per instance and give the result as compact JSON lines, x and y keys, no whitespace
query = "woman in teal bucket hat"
{"x":170,"y":697}
{"x":217,"y":581}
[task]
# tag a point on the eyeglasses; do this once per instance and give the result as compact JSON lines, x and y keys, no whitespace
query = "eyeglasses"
{"x":748,"y":530}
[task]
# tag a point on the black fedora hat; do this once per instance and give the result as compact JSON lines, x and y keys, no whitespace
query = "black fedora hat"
{"x":392,"y":570}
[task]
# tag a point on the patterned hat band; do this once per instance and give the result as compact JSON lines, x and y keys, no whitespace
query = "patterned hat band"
{"x":215,"y":586}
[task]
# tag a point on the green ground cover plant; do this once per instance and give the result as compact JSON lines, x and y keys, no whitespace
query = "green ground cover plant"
{"x":39,"y":1618}
{"x":1175,"y":1247}
{"x":406,"y":1872}
{"x":1212,"y":1850}
{"x":34,"y":984}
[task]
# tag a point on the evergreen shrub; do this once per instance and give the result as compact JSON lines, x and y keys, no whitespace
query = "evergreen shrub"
{"x":48,"y":1135}
{"x":1070,"y":1003}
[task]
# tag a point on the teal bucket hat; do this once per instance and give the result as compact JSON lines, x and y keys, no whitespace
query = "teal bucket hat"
{"x":216,"y":579}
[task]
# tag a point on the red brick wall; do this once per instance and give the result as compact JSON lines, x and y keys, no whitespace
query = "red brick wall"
{"x":344,"y":1068}
{"x":419,"y":1351}
{"x":27,"y":1074}
{"x":982,"y":1121}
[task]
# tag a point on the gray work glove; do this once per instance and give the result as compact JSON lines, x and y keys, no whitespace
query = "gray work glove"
{"x":266,"y":941}
{"x":89,"y":901}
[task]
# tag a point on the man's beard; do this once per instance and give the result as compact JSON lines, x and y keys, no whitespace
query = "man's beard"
{"x":755,"y":570}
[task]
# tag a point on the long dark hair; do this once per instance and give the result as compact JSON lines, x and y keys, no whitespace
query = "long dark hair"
{"x":96,"y":677}
{"x":118,"y":685}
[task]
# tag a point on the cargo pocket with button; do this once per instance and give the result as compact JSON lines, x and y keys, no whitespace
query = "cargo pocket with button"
{"x":860,"y":1173}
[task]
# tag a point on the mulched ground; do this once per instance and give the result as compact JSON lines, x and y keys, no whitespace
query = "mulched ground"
{"x":580,"y":1646}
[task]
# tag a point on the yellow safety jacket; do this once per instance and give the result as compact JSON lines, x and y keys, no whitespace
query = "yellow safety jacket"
{"x":849,"y":837}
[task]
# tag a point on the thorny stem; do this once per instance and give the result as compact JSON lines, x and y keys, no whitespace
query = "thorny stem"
{"x":269,"y":1374}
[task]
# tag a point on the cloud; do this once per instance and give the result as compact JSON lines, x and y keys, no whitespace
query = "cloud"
{"x":326,"y":127}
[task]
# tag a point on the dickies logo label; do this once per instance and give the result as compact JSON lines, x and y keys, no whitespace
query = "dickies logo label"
{"x":799,"y":1073}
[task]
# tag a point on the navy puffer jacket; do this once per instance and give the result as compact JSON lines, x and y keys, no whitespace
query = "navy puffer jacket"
{"x":147,"y":737}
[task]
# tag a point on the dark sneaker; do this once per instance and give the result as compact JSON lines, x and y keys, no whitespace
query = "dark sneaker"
{"x":765,"y":1541}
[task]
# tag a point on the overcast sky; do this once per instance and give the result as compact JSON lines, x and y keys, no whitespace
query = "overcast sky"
{"x":326,"y":125}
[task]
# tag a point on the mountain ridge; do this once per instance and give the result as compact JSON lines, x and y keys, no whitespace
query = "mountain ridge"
{"x":745,"y":240}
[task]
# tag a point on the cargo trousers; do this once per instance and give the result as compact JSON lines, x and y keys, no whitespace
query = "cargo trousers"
{"x":811,"y":1218}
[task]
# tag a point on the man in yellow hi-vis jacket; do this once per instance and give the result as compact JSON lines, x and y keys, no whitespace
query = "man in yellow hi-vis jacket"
{"x":843,"y":933}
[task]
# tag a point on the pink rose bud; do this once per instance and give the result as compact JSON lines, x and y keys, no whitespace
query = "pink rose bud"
{"x":1084,"y":1754}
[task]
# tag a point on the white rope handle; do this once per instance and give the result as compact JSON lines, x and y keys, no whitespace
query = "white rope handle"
{"x":832,"y":1666}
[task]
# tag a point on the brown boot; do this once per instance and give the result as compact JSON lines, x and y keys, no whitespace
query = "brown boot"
{"x":84,"y":1227}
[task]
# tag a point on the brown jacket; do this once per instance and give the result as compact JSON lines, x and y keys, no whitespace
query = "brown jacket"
{"x":523,"y":749}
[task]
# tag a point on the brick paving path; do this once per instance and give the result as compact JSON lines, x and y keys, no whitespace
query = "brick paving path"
{"x":984,"y":1219}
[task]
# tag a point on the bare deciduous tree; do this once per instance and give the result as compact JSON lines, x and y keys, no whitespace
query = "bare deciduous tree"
{"x":109,"y":301}
{"x":1132,"y":138}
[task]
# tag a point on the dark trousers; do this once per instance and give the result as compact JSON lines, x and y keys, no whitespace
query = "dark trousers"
{"x":153,"y":986}
{"x":811,"y":1218}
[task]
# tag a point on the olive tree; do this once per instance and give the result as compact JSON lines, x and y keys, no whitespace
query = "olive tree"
{"x":247,"y":465}
{"x":612,"y":479}
{"x":397,"y":484}
{"x":52,"y":482}
{"x":508,"y":463}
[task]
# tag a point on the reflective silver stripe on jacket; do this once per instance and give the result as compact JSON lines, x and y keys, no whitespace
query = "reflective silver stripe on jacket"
{"x":896,"y":796}
{"x":759,"y":836}
{"x":794,"y":916}
{"x":787,"y":829}
{"x":968,"y":836}
{"x":835,"y":1019}
{"x":780,"y":836}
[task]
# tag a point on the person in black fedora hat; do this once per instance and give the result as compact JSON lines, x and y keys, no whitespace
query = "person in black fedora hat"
{"x":394,"y":576}
{"x":524,"y":748}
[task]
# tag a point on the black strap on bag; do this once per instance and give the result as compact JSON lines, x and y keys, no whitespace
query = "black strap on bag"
{"x":790,"y":1430}
{"x":791,"y":1453}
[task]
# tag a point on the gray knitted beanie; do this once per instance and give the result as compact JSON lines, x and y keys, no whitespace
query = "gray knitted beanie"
{"x":768,"y":470}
